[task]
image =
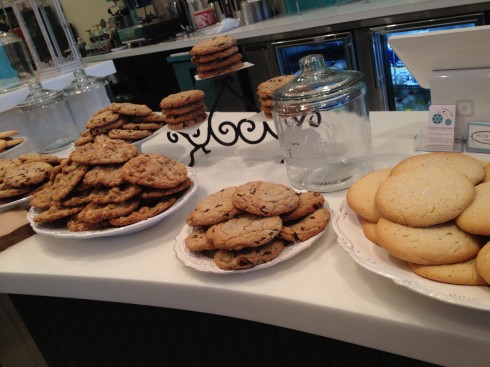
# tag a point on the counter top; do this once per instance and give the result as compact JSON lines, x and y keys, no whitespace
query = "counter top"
{"x":356,"y":11}
{"x":320,"y":291}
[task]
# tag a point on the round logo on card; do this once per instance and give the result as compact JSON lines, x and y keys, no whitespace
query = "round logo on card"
{"x":437,"y":118}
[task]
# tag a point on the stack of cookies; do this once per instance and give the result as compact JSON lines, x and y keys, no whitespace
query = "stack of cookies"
{"x":8,"y":140}
{"x":248,"y":225}
{"x":22,"y":176}
{"x":216,"y":55}
{"x":431,"y":211}
{"x":265,"y":89}
{"x":109,"y":184}
{"x":183,"y":109}
{"x":126,"y":121}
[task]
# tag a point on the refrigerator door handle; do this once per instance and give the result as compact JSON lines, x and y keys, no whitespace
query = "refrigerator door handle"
{"x":379,"y":74}
{"x":378,"y":69}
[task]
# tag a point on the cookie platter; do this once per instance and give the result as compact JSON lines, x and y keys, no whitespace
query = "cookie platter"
{"x":373,"y":258}
{"x":62,"y":232}
{"x":203,"y":263}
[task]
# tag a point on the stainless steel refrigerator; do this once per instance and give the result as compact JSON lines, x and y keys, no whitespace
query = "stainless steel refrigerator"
{"x":392,"y":87}
{"x":282,"y":57}
{"x":336,"y":48}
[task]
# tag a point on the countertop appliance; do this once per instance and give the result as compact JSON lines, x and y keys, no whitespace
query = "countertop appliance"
{"x":152,"y":31}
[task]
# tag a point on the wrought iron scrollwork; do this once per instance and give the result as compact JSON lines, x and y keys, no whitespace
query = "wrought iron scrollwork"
{"x":228,"y":133}
{"x":226,"y":129}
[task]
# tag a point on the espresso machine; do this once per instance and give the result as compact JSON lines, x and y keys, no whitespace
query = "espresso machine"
{"x":157,"y":20}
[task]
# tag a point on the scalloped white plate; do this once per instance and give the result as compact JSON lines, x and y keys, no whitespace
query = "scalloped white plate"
{"x":49,"y":230}
{"x":206,"y":264}
{"x":372,"y":257}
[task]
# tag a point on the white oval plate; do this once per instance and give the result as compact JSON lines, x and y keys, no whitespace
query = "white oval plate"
{"x":138,"y":144}
{"x":206,"y":264}
{"x":372,"y":257}
{"x":13,"y":204}
{"x":49,"y":230}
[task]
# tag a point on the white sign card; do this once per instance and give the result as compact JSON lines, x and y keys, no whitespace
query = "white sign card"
{"x":440,"y":135}
{"x":478,"y":137}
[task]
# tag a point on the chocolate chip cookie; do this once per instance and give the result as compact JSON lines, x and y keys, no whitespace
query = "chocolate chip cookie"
{"x":214,"y":209}
{"x":265,"y":198}
{"x":245,"y":230}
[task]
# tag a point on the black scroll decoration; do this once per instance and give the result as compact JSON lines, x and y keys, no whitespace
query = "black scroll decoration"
{"x":228,"y":133}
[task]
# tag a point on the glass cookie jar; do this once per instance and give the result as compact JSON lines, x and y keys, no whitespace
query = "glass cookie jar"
{"x":322,"y":122}
{"x":48,"y":119}
{"x":85,"y":96}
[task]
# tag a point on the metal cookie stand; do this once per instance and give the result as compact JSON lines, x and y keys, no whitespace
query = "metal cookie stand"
{"x":226,"y":129}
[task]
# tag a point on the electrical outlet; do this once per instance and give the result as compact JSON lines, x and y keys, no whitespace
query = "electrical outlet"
{"x":464,"y":107}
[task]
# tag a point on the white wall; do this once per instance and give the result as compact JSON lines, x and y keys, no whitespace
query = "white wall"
{"x":85,"y":14}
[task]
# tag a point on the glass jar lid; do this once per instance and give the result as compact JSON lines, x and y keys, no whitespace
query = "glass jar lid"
{"x":39,"y":97}
{"x":317,"y":83}
{"x":8,"y":37}
{"x":83,"y":83}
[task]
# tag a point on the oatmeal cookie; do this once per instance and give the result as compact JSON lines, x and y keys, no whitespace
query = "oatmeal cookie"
{"x":116,"y":194}
{"x":104,"y":175}
{"x":67,"y":179}
{"x":56,"y":212}
{"x":154,"y":170}
{"x":75,"y":225}
{"x":77,"y":198}
{"x":94,"y":213}
{"x":107,"y":152}
{"x":44,"y":197}
{"x":149,"y":193}
{"x":144,"y":212}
